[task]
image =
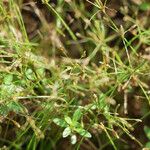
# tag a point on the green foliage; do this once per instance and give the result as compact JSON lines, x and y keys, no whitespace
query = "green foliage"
{"x":147,"y":132}
{"x":72,"y":126}
{"x":145,"y":6}
{"x":83,"y":76}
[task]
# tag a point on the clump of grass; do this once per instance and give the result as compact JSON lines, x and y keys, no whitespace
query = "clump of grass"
{"x":46,"y":97}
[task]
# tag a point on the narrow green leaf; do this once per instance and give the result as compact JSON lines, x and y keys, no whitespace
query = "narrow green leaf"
{"x":147,"y":132}
{"x":8,"y":79}
{"x":60,"y":122}
{"x":30,"y":74}
{"x":147,"y":145}
{"x":77,"y":115}
{"x":68,"y":120}
{"x":66,"y":132}
{"x":145,"y":6}
{"x":40,"y":72}
{"x":83,"y":132}
{"x":14,"y":106}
